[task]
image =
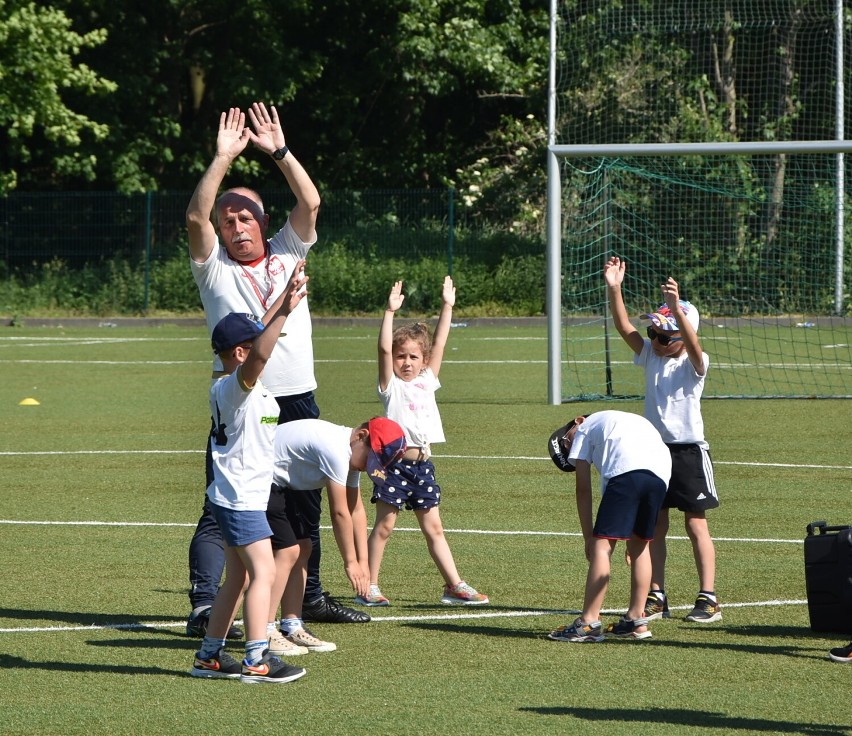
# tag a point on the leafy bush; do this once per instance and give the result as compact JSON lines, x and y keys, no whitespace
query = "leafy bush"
{"x":343,"y":282}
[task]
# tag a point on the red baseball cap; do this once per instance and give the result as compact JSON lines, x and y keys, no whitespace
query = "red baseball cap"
{"x":387,"y":445}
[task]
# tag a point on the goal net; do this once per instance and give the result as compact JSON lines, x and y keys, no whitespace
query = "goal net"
{"x":753,"y":248}
{"x":701,"y":140}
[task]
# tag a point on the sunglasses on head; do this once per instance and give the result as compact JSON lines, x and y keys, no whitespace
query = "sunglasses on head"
{"x":660,"y":337}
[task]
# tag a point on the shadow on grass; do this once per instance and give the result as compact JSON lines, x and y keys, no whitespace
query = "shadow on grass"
{"x":478,"y":629}
{"x":658,"y":641}
{"x":776,"y":632}
{"x":8,"y":663}
{"x":185,"y":643}
{"x":699,"y":718}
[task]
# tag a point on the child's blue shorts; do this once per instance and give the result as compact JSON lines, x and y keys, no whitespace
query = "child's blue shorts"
{"x":240,"y":528}
{"x":410,"y":484}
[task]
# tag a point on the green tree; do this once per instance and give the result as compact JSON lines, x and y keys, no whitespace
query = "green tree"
{"x":372,"y":95}
{"x":178,"y":64}
{"x":39,"y":71}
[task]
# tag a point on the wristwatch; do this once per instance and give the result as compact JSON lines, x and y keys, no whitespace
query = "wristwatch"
{"x":280,"y":153}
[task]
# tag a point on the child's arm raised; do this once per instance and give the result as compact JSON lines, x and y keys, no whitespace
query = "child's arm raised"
{"x":671,"y":293}
{"x":614,"y":276}
{"x":442,"y":330}
{"x":395,"y":300}
{"x":274,"y":320}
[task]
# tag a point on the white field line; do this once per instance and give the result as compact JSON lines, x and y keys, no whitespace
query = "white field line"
{"x":14,"y":453}
{"x":384,"y":619}
{"x":18,"y":339}
{"x":483,"y":532}
{"x":108,"y":362}
{"x":347,"y":361}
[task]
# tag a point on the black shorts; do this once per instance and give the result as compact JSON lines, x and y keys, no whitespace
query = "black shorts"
{"x":692,"y":486}
{"x":283,"y":519}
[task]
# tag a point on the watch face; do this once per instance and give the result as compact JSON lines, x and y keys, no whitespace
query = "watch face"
{"x":280,"y":153}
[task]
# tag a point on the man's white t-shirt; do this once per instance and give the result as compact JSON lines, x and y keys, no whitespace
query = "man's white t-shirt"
{"x":245,"y":421}
{"x":308,"y":452}
{"x":229,"y":286}
{"x":617,"y":442}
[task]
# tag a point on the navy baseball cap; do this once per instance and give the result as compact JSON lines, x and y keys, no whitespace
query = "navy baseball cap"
{"x":233,"y":329}
{"x":387,"y":445}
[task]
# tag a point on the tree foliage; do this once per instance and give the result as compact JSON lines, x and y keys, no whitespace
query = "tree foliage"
{"x":402,"y":93}
{"x":44,"y":139}
{"x":373,"y":95}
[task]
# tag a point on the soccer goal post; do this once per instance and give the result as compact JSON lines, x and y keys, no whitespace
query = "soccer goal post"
{"x":754,"y":234}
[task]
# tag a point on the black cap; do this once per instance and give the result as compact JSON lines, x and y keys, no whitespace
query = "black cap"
{"x":557,"y":451}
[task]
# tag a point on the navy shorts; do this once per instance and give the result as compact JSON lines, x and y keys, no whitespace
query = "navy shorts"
{"x":692,"y":486}
{"x":278,"y":514}
{"x":410,"y":484}
{"x":240,"y":528}
{"x":630,"y":505}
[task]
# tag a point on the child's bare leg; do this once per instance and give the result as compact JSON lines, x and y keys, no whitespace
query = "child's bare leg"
{"x":599,"y":554}
{"x":294,"y":585}
{"x":386,"y":516}
{"x":640,"y":578}
{"x":229,"y":597}
{"x":285,"y":560}
{"x":658,"y":552}
{"x":260,"y":565}
{"x":703,"y":549}
{"x":439,"y":548}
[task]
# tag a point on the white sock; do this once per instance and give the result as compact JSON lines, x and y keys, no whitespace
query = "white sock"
{"x":289,"y":625}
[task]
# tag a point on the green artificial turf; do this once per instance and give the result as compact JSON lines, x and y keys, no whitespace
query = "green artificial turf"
{"x":101,"y":484}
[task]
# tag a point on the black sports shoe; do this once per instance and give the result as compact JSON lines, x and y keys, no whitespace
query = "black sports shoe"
{"x":706,"y":611}
{"x":270,"y":669}
{"x":656,"y":606}
{"x":327,"y":610}
{"x":841,"y":654}
{"x":625,"y":628}
{"x":196,"y":625}
{"x":221,"y":667}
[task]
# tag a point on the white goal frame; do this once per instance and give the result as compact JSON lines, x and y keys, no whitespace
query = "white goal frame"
{"x":554,"y":216}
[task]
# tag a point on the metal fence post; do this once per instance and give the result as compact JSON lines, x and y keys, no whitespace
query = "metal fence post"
{"x":450,"y":228}
{"x":148,"y":230}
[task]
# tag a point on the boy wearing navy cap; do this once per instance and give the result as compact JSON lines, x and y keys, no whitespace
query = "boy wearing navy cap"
{"x":675,"y":369}
{"x":245,"y":416}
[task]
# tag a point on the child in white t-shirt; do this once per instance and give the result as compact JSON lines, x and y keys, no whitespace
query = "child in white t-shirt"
{"x":634,"y":466}
{"x":675,"y":370}
{"x":313,"y":453}
{"x":409,"y":364}
{"x":245,"y":415}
